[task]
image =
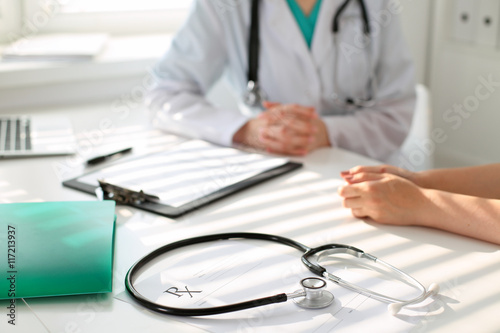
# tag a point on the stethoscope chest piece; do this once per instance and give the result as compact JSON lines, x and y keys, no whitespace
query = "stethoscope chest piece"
{"x":252,"y":100}
{"x":315,"y":294}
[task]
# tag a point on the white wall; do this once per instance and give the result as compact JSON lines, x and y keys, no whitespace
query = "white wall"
{"x":464,"y":134}
{"x":466,"y":110}
{"x":10,"y":10}
{"x":416,"y":21}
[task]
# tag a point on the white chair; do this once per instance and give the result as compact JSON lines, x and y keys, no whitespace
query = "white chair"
{"x":416,"y":152}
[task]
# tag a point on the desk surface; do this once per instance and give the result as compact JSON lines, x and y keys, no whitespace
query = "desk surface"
{"x":302,"y":205}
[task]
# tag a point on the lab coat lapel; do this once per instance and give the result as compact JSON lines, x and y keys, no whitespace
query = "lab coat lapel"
{"x":283,"y":21}
{"x":322,"y":43}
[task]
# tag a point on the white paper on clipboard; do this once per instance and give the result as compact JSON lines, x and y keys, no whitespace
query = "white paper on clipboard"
{"x":186,"y":172}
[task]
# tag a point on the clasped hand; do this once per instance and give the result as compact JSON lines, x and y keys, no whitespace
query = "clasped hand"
{"x":287,"y":129}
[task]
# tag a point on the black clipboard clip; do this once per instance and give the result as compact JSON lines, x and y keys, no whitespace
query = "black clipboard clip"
{"x":124,"y":196}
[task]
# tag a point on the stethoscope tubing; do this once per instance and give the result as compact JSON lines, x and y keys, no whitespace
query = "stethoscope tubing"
{"x":279,"y":298}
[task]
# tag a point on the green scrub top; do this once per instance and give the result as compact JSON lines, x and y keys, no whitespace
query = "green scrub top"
{"x":306,"y":23}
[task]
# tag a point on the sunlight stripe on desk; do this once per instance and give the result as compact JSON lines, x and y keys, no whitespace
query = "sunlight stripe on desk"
{"x":13,"y":194}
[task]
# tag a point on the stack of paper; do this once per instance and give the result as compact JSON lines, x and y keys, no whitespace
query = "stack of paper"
{"x":57,"y":47}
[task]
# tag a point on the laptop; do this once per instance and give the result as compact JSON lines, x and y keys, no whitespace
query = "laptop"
{"x":35,"y":135}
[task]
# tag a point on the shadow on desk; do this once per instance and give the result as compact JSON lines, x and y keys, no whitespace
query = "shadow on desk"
{"x":437,"y":237}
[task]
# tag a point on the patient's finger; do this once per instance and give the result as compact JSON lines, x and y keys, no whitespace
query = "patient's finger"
{"x":359,"y":213}
{"x":367,"y":168}
{"x":363,"y":177}
{"x":349,"y":191}
{"x":353,"y":203}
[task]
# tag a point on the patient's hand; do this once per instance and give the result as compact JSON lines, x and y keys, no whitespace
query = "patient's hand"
{"x":360,"y":174}
{"x":385,"y":198}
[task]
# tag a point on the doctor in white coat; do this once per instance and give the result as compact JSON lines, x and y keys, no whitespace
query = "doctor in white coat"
{"x":309,"y":89}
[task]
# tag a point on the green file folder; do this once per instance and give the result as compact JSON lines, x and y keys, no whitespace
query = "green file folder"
{"x":56,"y":248}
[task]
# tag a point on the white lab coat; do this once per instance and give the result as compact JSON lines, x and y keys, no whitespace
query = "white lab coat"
{"x":214,"y":40}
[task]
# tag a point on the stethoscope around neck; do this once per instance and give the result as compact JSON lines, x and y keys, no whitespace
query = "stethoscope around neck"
{"x":254,"y":95}
{"x":313,"y":294}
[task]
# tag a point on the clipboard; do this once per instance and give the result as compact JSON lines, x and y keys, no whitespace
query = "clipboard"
{"x":182,"y":178}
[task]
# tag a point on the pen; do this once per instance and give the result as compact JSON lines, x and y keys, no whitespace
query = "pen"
{"x":103,"y":158}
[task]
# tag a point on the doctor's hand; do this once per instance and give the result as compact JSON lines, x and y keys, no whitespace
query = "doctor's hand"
{"x":388,"y":199}
{"x":287,"y":129}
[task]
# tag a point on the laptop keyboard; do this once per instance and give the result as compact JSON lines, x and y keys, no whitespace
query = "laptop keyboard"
{"x":15,"y":134}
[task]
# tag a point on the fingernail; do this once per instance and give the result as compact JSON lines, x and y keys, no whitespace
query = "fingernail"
{"x":345,"y":173}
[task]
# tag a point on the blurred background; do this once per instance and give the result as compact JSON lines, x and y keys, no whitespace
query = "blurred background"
{"x":455,"y":45}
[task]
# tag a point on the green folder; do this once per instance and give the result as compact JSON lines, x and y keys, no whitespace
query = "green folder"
{"x":56,"y":248}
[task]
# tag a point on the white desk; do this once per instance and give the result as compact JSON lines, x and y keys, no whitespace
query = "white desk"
{"x":302,"y":205}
